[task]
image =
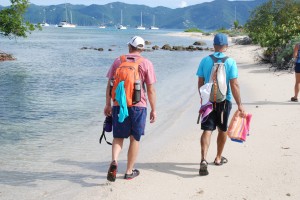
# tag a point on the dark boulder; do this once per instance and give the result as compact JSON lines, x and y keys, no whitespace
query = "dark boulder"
{"x":155,"y":47}
{"x":166,"y":47}
{"x":199,"y":43}
{"x":243,"y":41}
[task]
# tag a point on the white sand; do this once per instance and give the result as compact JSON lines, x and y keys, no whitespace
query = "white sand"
{"x":266,"y":166}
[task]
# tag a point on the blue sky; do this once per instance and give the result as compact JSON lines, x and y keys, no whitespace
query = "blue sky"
{"x":151,"y":3}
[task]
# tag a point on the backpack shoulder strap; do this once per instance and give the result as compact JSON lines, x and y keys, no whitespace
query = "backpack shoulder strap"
{"x":123,"y":58}
{"x":215,"y":59}
{"x":224,"y":59}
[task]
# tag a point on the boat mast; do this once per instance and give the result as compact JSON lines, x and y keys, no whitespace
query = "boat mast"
{"x":121,"y":17}
{"x":66,"y":13}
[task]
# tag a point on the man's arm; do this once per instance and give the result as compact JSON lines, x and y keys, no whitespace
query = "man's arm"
{"x":107,"y":108}
{"x":200,"y":83}
{"x":235,"y":88}
{"x":152,"y":100}
{"x":295,"y":53}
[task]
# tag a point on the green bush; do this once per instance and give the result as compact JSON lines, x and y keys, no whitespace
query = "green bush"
{"x":273,"y":25}
{"x":194,"y":30}
{"x":223,"y":30}
{"x":284,"y":55}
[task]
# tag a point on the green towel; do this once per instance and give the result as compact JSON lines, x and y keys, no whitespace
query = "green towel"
{"x":121,"y":99}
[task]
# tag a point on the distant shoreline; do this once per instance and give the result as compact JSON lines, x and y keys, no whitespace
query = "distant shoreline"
{"x":201,"y":36}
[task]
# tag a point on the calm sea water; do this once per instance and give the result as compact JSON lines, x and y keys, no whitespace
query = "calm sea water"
{"x":52,"y":96}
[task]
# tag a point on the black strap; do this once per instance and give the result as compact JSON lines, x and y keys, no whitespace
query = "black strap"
{"x":215,"y":59}
{"x":103,"y":136}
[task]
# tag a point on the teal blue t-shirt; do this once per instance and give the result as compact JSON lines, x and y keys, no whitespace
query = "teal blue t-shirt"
{"x":206,"y":65}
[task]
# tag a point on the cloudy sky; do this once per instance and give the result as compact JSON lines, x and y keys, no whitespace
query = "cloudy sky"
{"x":151,"y":3}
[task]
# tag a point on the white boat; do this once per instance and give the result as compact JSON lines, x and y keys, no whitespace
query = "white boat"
{"x":44,"y":21}
{"x":44,"y":24}
{"x":153,"y":27}
{"x":66,"y":24}
{"x":121,"y":26}
{"x":141,"y":27}
{"x":102,"y":26}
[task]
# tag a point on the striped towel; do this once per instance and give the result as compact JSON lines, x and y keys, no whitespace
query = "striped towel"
{"x":239,"y":127}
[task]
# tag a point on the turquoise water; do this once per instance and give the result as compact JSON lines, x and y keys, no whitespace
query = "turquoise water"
{"x":52,"y":96}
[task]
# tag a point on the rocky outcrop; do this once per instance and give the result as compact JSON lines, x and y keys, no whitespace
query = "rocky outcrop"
{"x":243,"y":41}
{"x":199,"y":43}
{"x":97,"y":49}
{"x":6,"y":57}
{"x":182,"y":48}
{"x":166,"y":47}
{"x":147,"y":42}
{"x":155,"y":47}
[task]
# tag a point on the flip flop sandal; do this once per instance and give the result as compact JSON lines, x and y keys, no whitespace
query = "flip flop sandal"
{"x":134,"y":174}
{"x":294,"y":99}
{"x":203,"y":168}
{"x":223,"y":161}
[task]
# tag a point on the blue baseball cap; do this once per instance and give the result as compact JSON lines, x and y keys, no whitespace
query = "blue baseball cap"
{"x":220,"y":39}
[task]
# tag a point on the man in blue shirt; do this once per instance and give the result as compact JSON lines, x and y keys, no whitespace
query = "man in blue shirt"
{"x":219,"y":115}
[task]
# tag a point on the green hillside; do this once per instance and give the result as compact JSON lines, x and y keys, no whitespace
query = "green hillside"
{"x":209,"y":15}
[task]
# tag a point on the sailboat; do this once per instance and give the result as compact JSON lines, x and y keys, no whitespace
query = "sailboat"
{"x":102,"y":26}
{"x":141,"y":27}
{"x":66,"y":24}
{"x":153,"y":27}
{"x":121,"y":26}
{"x":44,"y":21}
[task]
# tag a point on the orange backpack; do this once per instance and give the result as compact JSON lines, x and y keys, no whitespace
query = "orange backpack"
{"x":128,"y":71}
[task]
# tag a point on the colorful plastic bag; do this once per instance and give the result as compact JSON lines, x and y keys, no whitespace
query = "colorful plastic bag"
{"x":239,"y":127}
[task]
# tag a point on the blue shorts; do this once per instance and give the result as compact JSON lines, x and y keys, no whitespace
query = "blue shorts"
{"x":297,"y":67}
{"x":133,"y":125}
{"x":218,"y":117}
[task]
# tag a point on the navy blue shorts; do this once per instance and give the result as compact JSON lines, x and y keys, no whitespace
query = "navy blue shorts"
{"x":297,"y":67}
{"x":133,"y":125}
{"x":218,"y":117}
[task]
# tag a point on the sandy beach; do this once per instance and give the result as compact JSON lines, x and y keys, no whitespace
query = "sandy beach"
{"x":264,"y":167}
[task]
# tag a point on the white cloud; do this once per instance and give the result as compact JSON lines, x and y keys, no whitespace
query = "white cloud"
{"x":183,"y":4}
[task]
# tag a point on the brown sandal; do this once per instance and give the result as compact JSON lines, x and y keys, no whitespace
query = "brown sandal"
{"x":203,"y":168}
{"x":294,"y":99}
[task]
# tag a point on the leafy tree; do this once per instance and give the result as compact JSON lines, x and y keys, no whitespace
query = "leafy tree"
{"x":274,"y":23}
{"x":12,"y":21}
{"x":236,"y":24}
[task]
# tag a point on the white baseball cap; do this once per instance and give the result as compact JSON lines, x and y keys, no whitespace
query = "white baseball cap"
{"x":137,"y":42}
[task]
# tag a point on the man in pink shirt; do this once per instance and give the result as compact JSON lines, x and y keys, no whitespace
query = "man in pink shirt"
{"x":134,"y":125}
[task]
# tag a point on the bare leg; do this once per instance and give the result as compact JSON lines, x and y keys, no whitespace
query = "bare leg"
{"x":205,"y":142}
{"x":221,"y":140}
{"x":117,"y":146}
{"x":116,"y":149}
{"x":132,"y":154}
{"x":297,"y":85}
